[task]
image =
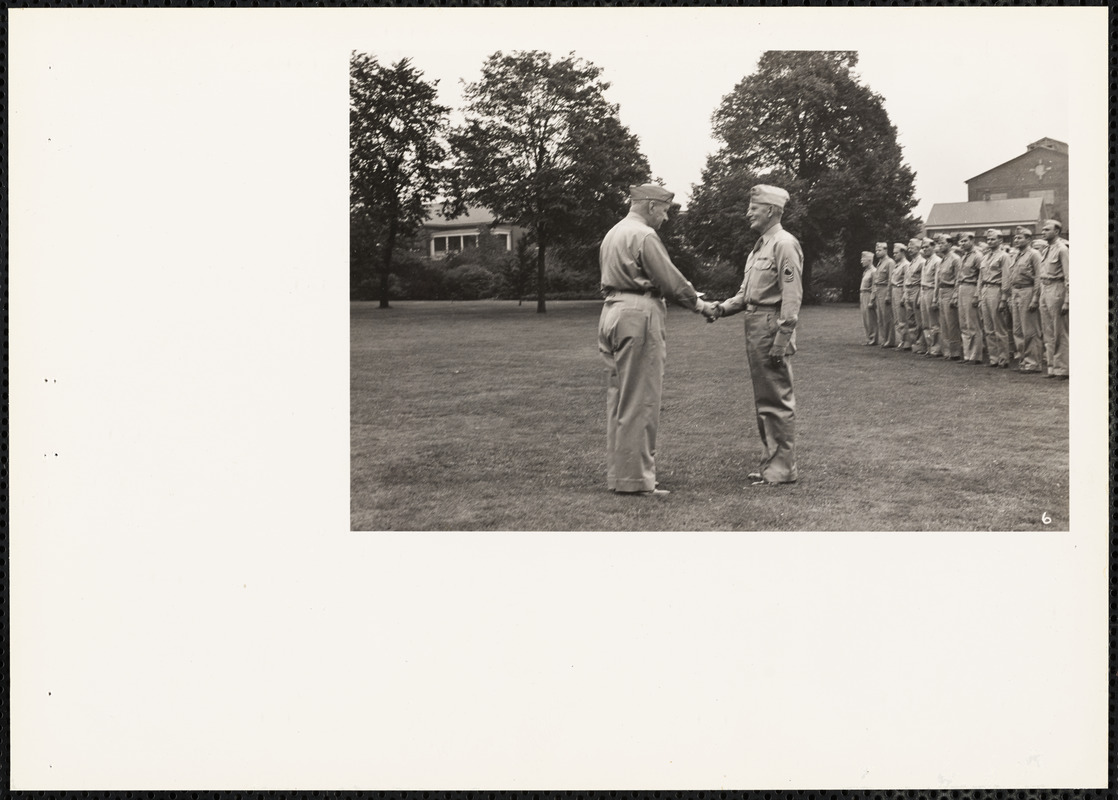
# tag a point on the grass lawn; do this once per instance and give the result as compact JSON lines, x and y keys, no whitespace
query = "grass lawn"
{"x":489,"y":416}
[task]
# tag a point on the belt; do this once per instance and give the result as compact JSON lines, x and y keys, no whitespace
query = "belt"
{"x":969,"y":283}
{"x":653,"y":292}
{"x":946,"y":285}
{"x":1053,"y":280}
{"x":991,"y":283}
{"x":766,"y":306}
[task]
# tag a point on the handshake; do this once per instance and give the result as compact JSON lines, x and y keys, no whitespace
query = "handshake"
{"x":711,"y":311}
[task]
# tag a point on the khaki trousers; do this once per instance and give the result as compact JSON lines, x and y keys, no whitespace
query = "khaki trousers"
{"x":1026,"y":329}
{"x":950,"y":338}
{"x":1054,"y":325}
{"x":970,"y":329}
{"x":869,"y":316}
{"x":900,"y":319}
{"x":772,"y":397}
{"x":631,"y":341}
{"x":884,"y":311}
{"x":997,"y":339}
{"x":914,"y":338}
{"x":929,"y":320}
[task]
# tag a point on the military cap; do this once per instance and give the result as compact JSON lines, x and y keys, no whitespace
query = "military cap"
{"x":1021,"y":230}
{"x":882,"y":244}
{"x":1039,"y":244}
{"x":966,"y":235}
{"x":926,"y":241}
{"x":773,"y":195}
{"x":993,"y":232}
{"x":650,"y":191}
{"x":867,"y":253}
{"x":914,"y":241}
{"x":1059,"y":225}
{"x":899,"y":246}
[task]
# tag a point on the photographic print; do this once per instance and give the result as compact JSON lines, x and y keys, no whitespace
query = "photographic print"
{"x":549,"y":399}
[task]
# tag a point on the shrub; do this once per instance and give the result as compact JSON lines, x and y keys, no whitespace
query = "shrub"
{"x":470,"y":282}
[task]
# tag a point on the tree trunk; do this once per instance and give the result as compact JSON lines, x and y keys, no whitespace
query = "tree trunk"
{"x":541,"y":305}
{"x":386,"y":266}
{"x":811,"y":297}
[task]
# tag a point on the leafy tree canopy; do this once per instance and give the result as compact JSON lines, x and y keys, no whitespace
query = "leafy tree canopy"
{"x":396,"y":159}
{"x":805,"y":122}
{"x":541,"y":147}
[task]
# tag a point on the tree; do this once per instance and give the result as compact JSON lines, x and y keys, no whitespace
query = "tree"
{"x":542,"y":148}
{"x":395,"y":158}
{"x":803,"y":121}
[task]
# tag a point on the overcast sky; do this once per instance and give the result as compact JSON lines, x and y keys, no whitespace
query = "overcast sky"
{"x":967,"y":88}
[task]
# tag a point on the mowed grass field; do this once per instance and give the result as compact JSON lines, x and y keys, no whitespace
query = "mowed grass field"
{"x":489,"y":416}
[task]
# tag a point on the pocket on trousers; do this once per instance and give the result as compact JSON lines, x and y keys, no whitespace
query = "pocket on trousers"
{"x":631,"y":328}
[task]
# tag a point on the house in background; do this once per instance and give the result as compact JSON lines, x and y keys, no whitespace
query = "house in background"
{"x":1026,"y":190}
{"x":449,"y":236}
{"x":1005,"y":215}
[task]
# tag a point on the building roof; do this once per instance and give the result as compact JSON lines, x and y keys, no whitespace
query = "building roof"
{"x":986,"y":213}
{"x":1030,"y":153}
{"x":1048,"y":143}
{"x":474,"y":216}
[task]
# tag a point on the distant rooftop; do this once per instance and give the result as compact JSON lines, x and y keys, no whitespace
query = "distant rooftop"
{"x":1016,"y":211}
{"x":473,"y":216}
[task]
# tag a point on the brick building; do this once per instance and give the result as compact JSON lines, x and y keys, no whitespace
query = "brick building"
{"x":1040,"y":172}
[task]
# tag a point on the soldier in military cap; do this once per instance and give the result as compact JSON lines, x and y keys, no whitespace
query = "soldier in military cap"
{"x":866,"y":299}
{"x":992,"y":298}
{"x":928,"y":309}
{"x":914,"y":338}
{"x":637,"y":276}
{"x":1054,"y":283}
{"x":882,"y":295}
{"x":896,"y":288}
{"x":1024,"y":300}
{"x":945,"y":303}
{"x":770,"y":297}
{"x":966,"y":293}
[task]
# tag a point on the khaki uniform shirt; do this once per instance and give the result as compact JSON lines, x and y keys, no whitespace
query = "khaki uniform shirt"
{"x":1054,"y":263}
{"x":773,"y":274}
{"x":948,"y":272}
{"x":896,"y":276}
{"x":991,"y":270}
{"x":928,"y":276}
{"x":868,"y":279}
{"x":914,"y":271}
{"x":969,"y":264}
{"x":634,"y":259}
{"x":884,"y":272}
{"x":1024,"y":271}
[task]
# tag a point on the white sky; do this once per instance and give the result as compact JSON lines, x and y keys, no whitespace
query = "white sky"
{"x":965,"y":102}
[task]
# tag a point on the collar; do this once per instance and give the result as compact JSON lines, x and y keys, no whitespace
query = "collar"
{"x":767,"y":235}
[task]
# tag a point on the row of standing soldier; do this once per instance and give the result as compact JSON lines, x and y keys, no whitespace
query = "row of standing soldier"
{"x":953,"y":298}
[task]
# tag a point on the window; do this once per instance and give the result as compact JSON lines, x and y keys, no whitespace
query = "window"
{"x":501,"y":240}
{"x":440,"y":244}
{"x":469,"y":242}
{"x":997,"y":196}
{"x":1049,"y":195}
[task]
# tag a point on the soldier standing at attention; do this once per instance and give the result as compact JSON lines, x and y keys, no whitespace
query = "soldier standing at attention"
{"x":882,"y":295}
{"x":770,"y":296}
{"x":966,"y":292}
{"x":945,"y":302}
{"x":914,"y":341}
{"x":866,"y":298}
{"x":1054,"y":283}
{"x":1024,"y":299}
{"x":992,"y":298}
{"x":929,"y":314}
{"x":637,"y":275}
{"x":896,"y":287}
